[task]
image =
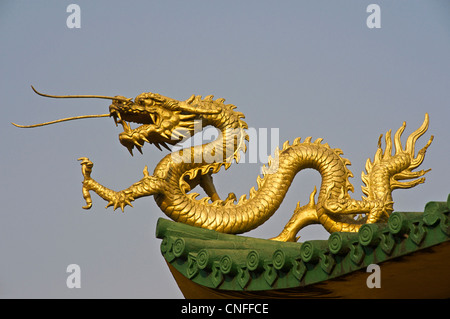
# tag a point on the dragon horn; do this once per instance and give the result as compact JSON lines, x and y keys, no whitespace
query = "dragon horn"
{"x":82,"y":96}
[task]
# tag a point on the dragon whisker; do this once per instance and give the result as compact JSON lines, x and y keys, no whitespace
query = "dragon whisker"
{"x":82,"y":96}
{"x":62,"y":120}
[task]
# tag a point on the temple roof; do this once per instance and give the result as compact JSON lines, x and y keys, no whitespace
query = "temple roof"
{"x":411,"y":247}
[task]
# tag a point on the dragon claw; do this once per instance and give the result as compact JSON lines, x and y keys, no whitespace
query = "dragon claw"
{"x":120,"y":199}
{"x":110,"y":203}
{"x":86,"y":167}
{"x":86,"y":170}
{"x":88,"y":205}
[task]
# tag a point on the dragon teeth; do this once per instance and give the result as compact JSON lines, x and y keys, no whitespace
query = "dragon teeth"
{"x":153,"y":117}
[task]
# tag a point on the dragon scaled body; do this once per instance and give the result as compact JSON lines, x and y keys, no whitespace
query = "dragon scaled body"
{"x":168,"y":121}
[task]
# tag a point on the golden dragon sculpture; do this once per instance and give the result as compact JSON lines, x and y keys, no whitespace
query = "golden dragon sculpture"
{"x":164,"y":120}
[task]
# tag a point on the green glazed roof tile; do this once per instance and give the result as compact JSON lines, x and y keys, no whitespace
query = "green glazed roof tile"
{"x":240,"y":263}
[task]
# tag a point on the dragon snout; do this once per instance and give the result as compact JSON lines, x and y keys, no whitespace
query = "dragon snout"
{"x":115,"y":113}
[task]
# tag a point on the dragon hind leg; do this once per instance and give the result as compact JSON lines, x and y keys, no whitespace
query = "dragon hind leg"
{"x":303,"y":216}
{"x":206,"y":183}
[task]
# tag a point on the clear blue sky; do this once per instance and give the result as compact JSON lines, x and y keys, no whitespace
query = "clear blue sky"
{"x":306,"y":68}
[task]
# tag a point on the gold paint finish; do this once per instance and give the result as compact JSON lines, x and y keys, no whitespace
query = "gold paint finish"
{"x":166,"y":121}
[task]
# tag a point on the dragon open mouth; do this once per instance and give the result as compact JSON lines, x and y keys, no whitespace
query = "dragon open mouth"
{"x":154,"y":128}
{"x":140,"y":118}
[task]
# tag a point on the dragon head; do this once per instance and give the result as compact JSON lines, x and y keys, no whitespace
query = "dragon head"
{"x":162,"y":120}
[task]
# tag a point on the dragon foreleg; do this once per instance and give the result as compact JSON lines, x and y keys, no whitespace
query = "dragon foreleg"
{"x":147,"y":186}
